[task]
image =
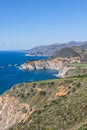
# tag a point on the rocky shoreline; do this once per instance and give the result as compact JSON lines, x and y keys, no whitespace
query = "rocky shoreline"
{"x":54,"y":63}
{"x":22,"y":104}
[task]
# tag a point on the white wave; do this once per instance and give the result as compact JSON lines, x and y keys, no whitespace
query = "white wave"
{"x":15,"y":65}
{"x":56,"y":75}
{"x":2,"y":67}
{"x":9,"y":65}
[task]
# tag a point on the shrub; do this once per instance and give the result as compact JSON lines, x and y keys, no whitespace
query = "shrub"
{"x":43,"y":93}
{"x":32,"y":90}
{"x":34,"y":85}
{"x":83,"y":127}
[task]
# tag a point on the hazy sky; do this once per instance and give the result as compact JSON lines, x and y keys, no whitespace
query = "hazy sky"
{"x":28,"y":23}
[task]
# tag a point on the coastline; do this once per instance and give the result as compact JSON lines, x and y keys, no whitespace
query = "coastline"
{"x":12,"y":74}
{"x":60,"y":64}
{"x":26,"y":54}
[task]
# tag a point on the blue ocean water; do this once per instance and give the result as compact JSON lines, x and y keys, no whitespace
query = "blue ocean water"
{"x":10,"y":74}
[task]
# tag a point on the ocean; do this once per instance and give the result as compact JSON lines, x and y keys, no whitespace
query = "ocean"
{"x":10,"y":74}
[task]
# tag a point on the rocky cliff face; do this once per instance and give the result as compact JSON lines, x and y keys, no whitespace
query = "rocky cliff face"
{"x":67,"y":71}
{"x":63,"y":71}
{"x":54,"y":63}
{"x":12,"y":111}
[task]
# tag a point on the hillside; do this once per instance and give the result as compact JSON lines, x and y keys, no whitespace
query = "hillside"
{"x":61,"y":60}
{"x":73,"y":69}
{"x":70,"y":52}
{"x":66,"y":53}
{"x":45,"y":105}
{"x":49,"y":50}
{"x":45,"y":50}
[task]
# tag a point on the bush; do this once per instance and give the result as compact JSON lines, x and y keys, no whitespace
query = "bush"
{"x":43,"y":93}
{"x":83,"y":127}
{"x":34,"y":85}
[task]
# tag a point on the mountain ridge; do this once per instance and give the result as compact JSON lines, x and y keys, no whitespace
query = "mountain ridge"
{"x":50,"y":49}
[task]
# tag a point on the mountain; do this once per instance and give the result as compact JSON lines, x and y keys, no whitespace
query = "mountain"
{"x":59,"y":104}
{"x":70,"y":52}
{"x":50,"y":49}
{"x":45,"y":50}
{"x":84,"y":46}
{"x":66,"y":53}
{"x":74,"y":43}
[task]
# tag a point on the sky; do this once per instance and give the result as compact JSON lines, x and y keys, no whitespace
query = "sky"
{"x":28,"y":23}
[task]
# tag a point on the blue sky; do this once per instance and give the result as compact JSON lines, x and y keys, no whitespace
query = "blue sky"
{"x":28,"y":23}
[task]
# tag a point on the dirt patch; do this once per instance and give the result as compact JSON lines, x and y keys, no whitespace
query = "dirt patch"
{"x":39,"y":89}
{"x":61,"y":91}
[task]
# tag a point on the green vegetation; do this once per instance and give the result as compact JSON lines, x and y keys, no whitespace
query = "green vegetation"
{"x":53,"y":112}
{"x":43,"y":93}
{"x":79,"y":70}
{"x":83,"y":127}
{"x":69,"y":52}
{"x":77,"y":65}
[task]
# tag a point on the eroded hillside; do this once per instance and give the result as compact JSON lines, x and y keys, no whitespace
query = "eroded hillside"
{"x":45,"y":105}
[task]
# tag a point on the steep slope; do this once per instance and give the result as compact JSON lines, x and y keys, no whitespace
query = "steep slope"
{"x":74,"y":69}
{"x":70,"y":52}
{"x":66,"y":53}
{"x":55,"y":63}
{"x":58,"y":59}
{"x":12,"y":111}
{"x":48,"y":105}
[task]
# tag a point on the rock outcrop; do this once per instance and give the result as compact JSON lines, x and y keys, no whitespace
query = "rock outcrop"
{"x":63,"y":71}
{"x":12,"y":111}
{"x":54,"y":63}
{"x":72,"y":71}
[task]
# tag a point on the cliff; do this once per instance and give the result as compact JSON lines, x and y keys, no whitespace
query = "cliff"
{"x":48,"y":105}
{"x":12,"y":111}
{"x":60,"y":61}
{"x":54,"y":63}
{"x":73,"y":71}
